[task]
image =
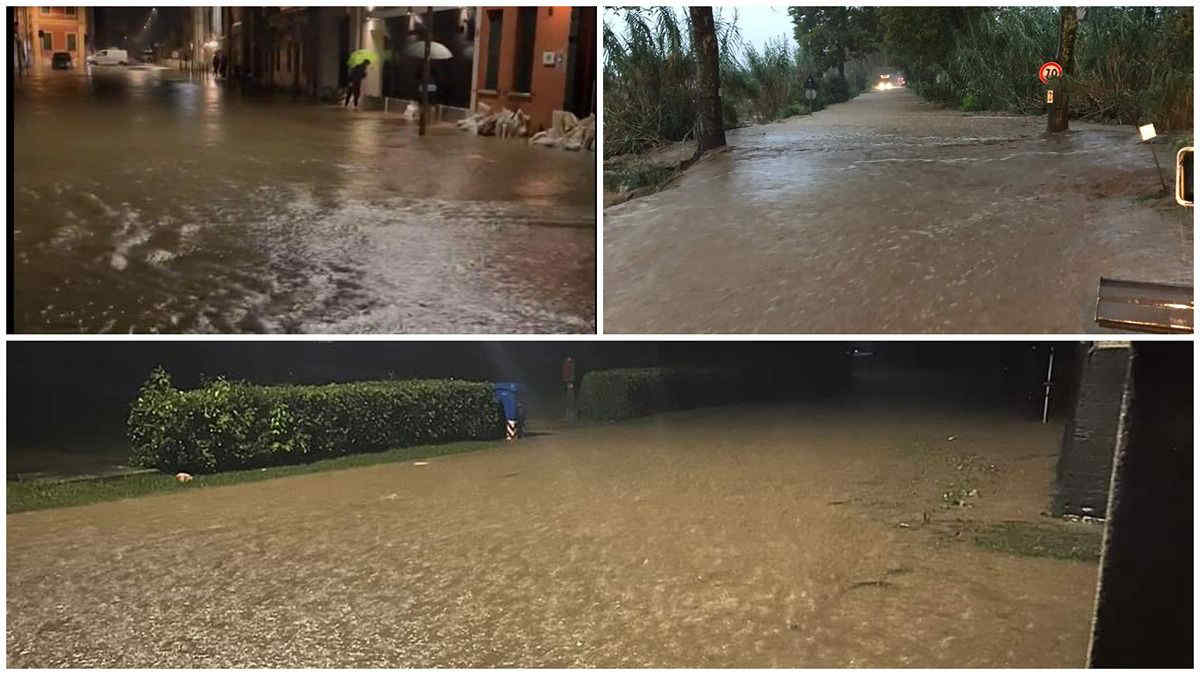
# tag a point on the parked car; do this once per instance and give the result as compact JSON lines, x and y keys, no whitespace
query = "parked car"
{"x":110,"y":57}
{"x":62,"y":61}
{"x":148,"y":55}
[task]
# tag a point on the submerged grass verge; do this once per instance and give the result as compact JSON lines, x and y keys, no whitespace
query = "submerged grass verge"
{"x":38,"y":495}
{"x":1041,"y":541}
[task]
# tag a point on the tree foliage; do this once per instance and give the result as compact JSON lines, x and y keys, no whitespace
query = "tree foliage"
{"x":835,"y":35}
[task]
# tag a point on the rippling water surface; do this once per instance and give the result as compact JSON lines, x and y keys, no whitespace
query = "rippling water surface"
{"x":147,"y":202}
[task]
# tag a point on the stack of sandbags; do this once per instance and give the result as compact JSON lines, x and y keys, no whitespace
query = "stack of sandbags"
{"x":568,"y":132}
{"x":512,"y":123}
{"x":505,"y":124}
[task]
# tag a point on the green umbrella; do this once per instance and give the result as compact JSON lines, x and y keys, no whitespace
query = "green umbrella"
{"x":359,"y":55}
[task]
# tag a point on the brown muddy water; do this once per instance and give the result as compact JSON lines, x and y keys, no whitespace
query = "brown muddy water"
{"x":145,"y":202}
{"x":771,"y":535}
{"x":887,"y":214}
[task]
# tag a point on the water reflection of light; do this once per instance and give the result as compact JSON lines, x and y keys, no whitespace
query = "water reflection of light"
{"x":362,"y":139}
{"x":212,"y":98}
{"x":214,"y":128}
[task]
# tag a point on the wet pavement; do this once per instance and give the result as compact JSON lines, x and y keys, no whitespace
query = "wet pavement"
{"x":887,"y":214}
{"x":147,"y":202}
{"x":772,"y":535}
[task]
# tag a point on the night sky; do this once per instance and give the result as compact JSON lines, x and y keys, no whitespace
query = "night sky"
{"x":114,"y":23}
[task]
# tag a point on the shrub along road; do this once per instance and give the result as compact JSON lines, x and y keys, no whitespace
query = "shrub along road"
{"x":887,"y":214}
{"x":751,"y":535}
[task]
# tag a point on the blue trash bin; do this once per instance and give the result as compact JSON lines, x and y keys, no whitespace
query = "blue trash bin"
{"x":507,"y":396}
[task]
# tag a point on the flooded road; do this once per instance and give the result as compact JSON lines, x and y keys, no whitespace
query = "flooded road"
{"x":145,"y":202}
{"x":782,"y":535}
{"x":886,"y":214}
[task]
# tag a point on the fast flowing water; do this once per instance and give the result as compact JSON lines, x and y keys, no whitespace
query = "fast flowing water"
{"x":886,"y":214}
{"x":144,"y":201}
{"x":785,"y":535}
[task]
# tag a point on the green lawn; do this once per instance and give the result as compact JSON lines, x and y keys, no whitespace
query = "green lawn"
{"x":35,"y":495}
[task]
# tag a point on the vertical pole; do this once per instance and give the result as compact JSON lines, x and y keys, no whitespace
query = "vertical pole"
{"x":1047,"y":385}
{"x":425,"y":72}
{"x":1153,"y":154}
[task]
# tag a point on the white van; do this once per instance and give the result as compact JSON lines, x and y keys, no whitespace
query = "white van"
{"x":110,"y":57}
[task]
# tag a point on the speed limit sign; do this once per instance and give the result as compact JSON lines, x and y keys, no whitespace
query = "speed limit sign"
{"x":1048,"y":70}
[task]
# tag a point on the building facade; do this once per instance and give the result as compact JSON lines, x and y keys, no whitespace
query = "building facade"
{"x":55,"y":29}
{"x":536,"y":59}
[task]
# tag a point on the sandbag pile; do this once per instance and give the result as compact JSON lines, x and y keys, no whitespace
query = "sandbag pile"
{"x":505,"y":124}
{"x":568,"y":132}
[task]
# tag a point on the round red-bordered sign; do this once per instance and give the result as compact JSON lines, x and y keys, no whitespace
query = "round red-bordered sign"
{"x":1048,"y":70}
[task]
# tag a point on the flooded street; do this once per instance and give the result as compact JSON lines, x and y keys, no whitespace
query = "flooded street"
{"x":145,"y":202}
{"x":886,"y":214}
{"x":758,"y":535}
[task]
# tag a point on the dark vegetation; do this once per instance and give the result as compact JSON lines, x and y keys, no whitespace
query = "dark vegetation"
{"x":1132,"y":64}
{"x":227,"y":425}
{"x":651,"y":92}
{"x":622,"y":393}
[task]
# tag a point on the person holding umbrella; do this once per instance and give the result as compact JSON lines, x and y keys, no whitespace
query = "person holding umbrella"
{"x":357,"y":74}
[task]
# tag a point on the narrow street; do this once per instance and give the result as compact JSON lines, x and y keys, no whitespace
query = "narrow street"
{"x":888,"y":215}
{"x":147,"y":202}
{"x":759,"y":535}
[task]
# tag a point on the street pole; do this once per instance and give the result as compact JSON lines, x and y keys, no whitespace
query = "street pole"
{"x":1046,"y":386}
{"x":425,"y":73}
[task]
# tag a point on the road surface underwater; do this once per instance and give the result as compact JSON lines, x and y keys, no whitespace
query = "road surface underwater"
{"x":147,"y":202}
{"x":886,"y":214}
{"x":769,"y":535}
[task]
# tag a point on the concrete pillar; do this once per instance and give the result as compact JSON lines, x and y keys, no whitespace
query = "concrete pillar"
{"x":1144,"y":605}
{"x":1089,"y":439}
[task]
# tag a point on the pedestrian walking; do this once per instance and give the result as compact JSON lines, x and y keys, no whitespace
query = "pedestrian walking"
{"x":357,"y":73}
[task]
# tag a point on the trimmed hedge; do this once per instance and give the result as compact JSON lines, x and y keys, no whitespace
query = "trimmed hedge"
{"x":228,"y":425}
{"x":622,"y":393}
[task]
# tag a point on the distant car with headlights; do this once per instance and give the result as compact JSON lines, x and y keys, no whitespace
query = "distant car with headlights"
{"x":62,"y":61}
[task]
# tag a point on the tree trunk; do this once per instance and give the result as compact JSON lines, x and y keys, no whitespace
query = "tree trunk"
{"x":1068,"y":23}
{"x":710,"y":130}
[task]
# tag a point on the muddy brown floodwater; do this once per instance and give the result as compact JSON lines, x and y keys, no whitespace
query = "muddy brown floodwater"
{"x":773,"y":535}
{"x":146,"y":202}
{"x":887,"y":214}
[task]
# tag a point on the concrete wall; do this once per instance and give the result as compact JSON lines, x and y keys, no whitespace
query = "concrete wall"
{"x":1144,"y":612}
{"x":327,"y":67}
{"x":548,"y":82}
{"x":1089,"y":439}
{"x":372,"y":35}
